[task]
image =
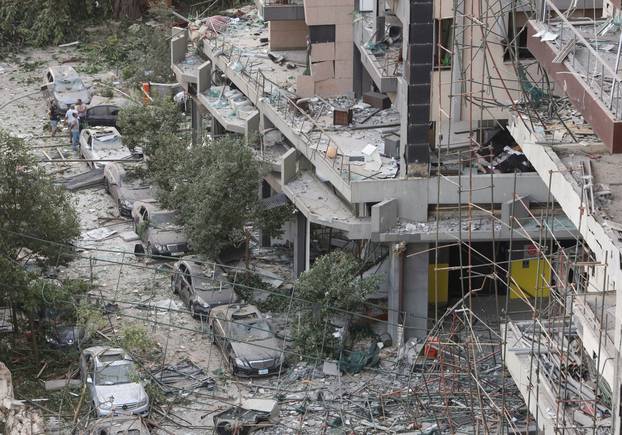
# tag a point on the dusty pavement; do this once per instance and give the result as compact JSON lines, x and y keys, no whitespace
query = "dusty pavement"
{"x":138,"y":291}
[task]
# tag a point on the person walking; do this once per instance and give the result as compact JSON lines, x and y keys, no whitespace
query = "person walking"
{"x":70,"y":115}
{"x":81,"y":109}
{"x":54,"y":118}
{"x":74,"y":128}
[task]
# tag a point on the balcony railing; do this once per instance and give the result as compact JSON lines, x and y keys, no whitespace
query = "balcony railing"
{"x":284,"y":103}
{"x":601,"y":76}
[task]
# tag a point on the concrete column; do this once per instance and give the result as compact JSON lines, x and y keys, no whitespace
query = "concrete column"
{"x":408,"y":291}
{"x":196,"y":122}
{"x":265,"y":192}
{"x":217,"y":128}
{"x":301,"y":246}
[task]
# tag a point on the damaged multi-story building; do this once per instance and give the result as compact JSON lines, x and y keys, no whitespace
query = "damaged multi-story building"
{"x":431,"y":135}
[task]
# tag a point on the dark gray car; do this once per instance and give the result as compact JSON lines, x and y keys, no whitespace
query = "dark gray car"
{"x":201,"y":286}
{"x":246,"y":340}
{"x":158,"y":230}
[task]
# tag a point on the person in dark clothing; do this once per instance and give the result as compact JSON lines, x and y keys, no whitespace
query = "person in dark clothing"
{"x":54,"y":118}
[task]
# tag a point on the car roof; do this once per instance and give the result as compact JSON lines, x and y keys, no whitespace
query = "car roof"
{"x":103,"y":130}
{"x":63,"y":71}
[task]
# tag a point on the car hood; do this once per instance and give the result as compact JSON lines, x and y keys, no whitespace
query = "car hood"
{"x":166,"y":236}
{"x":73,"y":97}
{"x":264,"y":349}
{"x":123,"y":393}
{"x":218,"y":297}
{"x":111,"y":154}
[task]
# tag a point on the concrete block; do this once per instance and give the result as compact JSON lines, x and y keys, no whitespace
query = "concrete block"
{"x":344,"y":33}
{"x":323,"y":51}
{"x":344,"y":68}
{"x":305,"y":86}
{"x":323,"y":70}
{"x":520,"y":212}
{"x":377,"y":100}
{"x":285,"y":35}
{"x":59,"y":384}
{"x":341,"y":14}
{"x":344,"y":85}
{"x":326,"y":88}
{"x":344,"y":50}
{"x":288,"y":166}
{"x":384,"y":216}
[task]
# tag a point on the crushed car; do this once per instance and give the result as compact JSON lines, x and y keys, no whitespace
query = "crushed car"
{"x":246,"y":340}
{"x":110,"y":377}
{"x":201,"y":286}
{"x":105,"y":111}
{"x":64,"y":87}
{"x":158,"y":231}
{"x":119,"y":425}
{"x":98,"y":145}
{"x":125,"y":193}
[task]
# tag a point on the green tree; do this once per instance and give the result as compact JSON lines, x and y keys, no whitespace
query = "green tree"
{"x":37,"y":220}
{"x":150,"y":127}
{"x":334,"y":285}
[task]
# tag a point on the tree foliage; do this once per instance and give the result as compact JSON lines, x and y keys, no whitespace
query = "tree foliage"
{"x":42,"y":22}
{"x":31,"y":204}
{"x":37,"y":220}
{"x":150,"y":127}
{"x":334,"y":285}
{"x":213,"y":185}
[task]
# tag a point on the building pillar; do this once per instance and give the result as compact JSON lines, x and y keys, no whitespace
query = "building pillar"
{"x":217,"y":128}
{"x":265,"y":192}
{"x":301,"y":245}
{"x":196,"y":122}
{"x":408,"y":292}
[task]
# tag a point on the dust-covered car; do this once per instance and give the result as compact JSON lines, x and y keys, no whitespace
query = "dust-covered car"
{"x":158,"y":230}
{"x":63,"y":85}
{"x":111,"y":379}
{"x":126,"y":192}
{"x":201,"y":286}
{"x":99,"y":145}
{"x":66,"y":336}
{"x":246,"y":340}
{"x":118,"y":425}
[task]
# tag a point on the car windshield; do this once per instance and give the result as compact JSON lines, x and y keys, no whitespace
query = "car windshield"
{"x":107,"y":140}
{"x":163,"y":218}
{"x":253,"y":330}
{"x":114,"y":374}
{"x":69,"y":85}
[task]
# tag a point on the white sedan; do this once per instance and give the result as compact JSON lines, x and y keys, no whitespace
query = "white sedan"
{"x":100,"y":145}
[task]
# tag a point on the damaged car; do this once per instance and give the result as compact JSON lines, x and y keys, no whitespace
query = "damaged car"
{"x":125,"y":193}
{"x":98,"y":145}
{"x":201,"y":286}
{"x":119,"y":425}
{"x":246,"y":340}
{"x":64,"y":87}
{"x":110,"y":377}
{"x":158,"y":231}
